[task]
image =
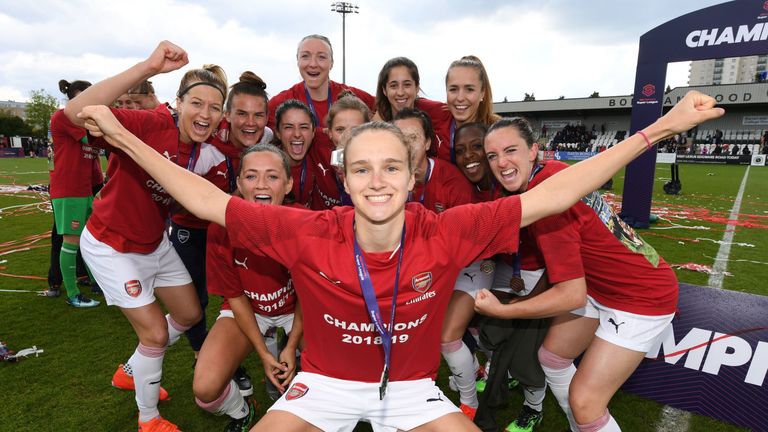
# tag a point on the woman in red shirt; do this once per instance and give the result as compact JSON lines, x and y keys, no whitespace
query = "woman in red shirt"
{"x":125,"y":242}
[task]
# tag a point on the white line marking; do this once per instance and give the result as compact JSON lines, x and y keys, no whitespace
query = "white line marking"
{"x":721,"y":261}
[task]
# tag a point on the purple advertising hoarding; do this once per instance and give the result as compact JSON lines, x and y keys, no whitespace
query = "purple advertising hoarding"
{"x":11,"y":152}
{"x":733,"y":29}
{"x":713,"y":359}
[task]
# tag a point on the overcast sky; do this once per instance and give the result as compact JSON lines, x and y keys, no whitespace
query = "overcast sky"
{"x":546,"y":47}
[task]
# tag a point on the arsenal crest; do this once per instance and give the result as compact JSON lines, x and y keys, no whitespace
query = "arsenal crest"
{"x":133,"y":288}
{"x":296,"y":391}
{"x":487,"y":266}
{"x":422,"y":282}
{"x":182,"y":235}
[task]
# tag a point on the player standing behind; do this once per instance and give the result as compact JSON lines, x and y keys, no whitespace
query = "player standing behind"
{"x":469,"y":97}
{"x":245,"y":119}
{"x":125,"y":241}
{"x":295,"y":135}
{"x":76,"y":170}
{"x":314,"y":58}
{"x":398,"y":88}
{"x":348,"y":111}
{"x":342,"y":355}
{"x":612,"y":294}
{"x":143,"y":96}
{"x":259,"y":297}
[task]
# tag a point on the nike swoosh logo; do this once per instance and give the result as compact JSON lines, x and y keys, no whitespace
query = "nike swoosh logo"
{"x":154,"y":382}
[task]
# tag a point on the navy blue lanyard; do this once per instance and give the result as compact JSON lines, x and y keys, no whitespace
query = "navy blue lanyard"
{"x":426,"y":180}
{"x":192,"y":162}
{"x":344,"y":197}
{"x":231,"y":171}
{"x":312,"y":105}
{"x":453,"y":132}
{"x":535,"y":171}
{"x":302,"y":178}
{"x":366,"y":285}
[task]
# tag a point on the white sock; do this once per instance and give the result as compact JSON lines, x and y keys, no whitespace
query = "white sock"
{"x":230,"y":402}
{"x":459,"y":360}
{"x":559,"y":373}
{"x":534,"y":397}
{"x":147,"y":365}
{"x":175,"y":330}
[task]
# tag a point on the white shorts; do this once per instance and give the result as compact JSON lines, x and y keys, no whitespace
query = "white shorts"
{"x":265,"y":322}
{"x":475,"y":277}
{"x":129,"y":279}
{"x":625,"y":329}
{"x":337,"y":405}
{"x":504,"y":273}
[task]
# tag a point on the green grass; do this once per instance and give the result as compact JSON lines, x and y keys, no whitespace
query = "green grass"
{"x":68,"y":386}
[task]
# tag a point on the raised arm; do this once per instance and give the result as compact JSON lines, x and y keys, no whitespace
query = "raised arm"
{"x":559,"y":192}
{"x":196,"y":194}
{"x":166,"y":57}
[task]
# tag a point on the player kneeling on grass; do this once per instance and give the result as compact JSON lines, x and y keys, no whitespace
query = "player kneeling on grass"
{"x":259,"y":297}
{"x":337,"y":257}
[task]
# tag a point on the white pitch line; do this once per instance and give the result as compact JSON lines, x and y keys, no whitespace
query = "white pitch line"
{"x":721,"y":261}
{"x":673,"y":419}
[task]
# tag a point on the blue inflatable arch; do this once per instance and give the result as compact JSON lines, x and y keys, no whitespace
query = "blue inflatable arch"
{"x":734,"y":29}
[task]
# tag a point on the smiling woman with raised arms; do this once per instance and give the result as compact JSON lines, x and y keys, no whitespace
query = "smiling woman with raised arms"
{"x":125,"y":243}
{"x":377,"y":278}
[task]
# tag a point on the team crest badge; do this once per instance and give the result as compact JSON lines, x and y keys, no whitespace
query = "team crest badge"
{"x":422,"y":282}
{"x":75,"y":224}
{"x":439,"y":207}
{"x":183,"y":235}
{"x":296,"y":391}
{"x":487,"y":267}
{"x":133,"y":288}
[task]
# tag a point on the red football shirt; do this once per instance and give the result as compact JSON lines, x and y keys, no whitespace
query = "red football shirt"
{"x":441,"y":123}
{"x":73,"y":173}
{"x":446,"y":187}
{"x":211,"y":164}
{"x":589,"y":240}
{"x":130,"y":212}
{"x":317,"y":248}
{"x":233,"y":272}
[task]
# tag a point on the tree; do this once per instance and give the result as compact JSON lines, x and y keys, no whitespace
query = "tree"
{"x":561,"y":98}
{"x":529,"y":97}
{"x":11,"y":125}
{"x":669,"y":89}
{"x":39,"y":111}
{"x":595,"y":94}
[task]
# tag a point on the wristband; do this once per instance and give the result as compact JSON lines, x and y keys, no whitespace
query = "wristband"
{"x":647,"y":141}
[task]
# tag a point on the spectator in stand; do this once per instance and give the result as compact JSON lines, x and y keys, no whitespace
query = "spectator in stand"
{"x":745,"y":151}
{"x":704,"y":150}
{"x":735,"y":150}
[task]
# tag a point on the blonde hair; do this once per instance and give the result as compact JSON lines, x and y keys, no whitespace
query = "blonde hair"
{"x":210,"y":75}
